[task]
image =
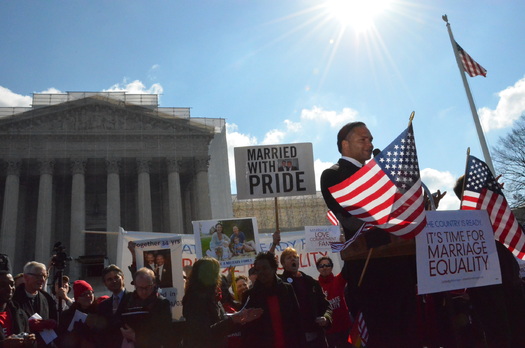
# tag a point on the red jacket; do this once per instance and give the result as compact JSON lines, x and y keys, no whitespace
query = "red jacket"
{"x":334,"y":290}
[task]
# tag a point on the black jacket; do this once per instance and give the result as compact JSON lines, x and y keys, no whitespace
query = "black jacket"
{"x":18,"y":320}
{"x":259,"y":333}
{"x":43,"y":304}
{"x":207,"y":325}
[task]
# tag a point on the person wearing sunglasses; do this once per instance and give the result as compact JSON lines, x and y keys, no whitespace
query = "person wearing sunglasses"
{"x":334,"y":289}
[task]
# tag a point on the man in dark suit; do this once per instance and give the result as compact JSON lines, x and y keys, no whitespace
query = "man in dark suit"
{"x":354,"y":142}
{"x":150,"y":261}
{"x":111,"y":308}
{"x":163,"y":272}
{"x":389,"y":284}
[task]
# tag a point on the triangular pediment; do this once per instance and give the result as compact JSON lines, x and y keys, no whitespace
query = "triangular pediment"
{"x":95,"y":115}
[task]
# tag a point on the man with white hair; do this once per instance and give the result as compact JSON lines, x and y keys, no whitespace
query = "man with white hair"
{"x":31,"y":297}
{"x":147,"y":315}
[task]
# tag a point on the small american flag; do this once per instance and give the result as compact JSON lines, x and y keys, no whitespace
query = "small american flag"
{"x":359,"y":333}
{"x":387,"y":191}
{"x":340,"y":246}
{"x":331,"y":216}
{"x":483,"y":192}
{"x":470,"y":65}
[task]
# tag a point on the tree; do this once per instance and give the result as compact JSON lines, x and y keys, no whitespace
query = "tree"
{"x":509,"y":157}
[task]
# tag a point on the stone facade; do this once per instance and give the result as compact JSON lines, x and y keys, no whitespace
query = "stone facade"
{"x":294,"y":212}
{"x":97,"y":163}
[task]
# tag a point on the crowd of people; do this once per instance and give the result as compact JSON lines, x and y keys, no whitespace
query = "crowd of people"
{"x":267,"y":309}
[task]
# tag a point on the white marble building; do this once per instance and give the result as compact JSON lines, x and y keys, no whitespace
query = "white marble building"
{"x":80,"y":161}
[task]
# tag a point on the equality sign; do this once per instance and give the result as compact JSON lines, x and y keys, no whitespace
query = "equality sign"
{"x":318,"y":238}
{"x":274,"y":170}
{"x":456,"y":250}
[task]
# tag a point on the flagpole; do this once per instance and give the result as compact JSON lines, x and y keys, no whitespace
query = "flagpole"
{"x":475,"y":116}
{"x":464,"y":181}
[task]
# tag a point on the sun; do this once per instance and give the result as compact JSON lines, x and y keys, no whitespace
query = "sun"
{"x":358,"y":14}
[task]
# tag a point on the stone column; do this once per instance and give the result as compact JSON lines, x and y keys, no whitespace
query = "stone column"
{"x":144,"y":195}
{"x":202,"y":190}
{"x":43,"y":247}
{"x":113,"y":208}
{"x":174,"y":192}
{"x":10,"y":213}
{"x":78,"y":215}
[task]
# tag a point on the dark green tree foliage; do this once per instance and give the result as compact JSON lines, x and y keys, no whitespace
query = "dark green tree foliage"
{"x":509,"y":157}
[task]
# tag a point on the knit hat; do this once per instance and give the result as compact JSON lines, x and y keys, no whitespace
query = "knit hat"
{"x":79,"y":287}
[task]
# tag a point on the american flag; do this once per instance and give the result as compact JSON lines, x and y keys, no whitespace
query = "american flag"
{"x":387,"y":192}
{"x":340,"y":246}
{"x":483,"y":192}
{"x":470,"y":65}
{"x":359,"y":333}
{"x":331,"y":216}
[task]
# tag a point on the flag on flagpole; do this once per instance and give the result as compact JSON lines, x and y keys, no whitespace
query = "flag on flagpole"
{"x":483,"y":192}
{"x":331,"y":217}
{"x":470,"y":65}
{"x":387,"y":191}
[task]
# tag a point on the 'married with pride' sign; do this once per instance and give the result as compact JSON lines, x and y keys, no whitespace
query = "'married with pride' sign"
{"x":274,"y":170}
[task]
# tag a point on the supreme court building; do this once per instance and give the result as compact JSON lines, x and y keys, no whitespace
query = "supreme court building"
{"x":79,"y":161}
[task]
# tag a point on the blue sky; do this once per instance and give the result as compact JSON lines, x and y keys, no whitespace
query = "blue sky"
{"x":284,"y":71}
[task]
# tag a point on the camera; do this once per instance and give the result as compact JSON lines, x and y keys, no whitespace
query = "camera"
{"x":60,"y":257}
{"x":22,"y":335}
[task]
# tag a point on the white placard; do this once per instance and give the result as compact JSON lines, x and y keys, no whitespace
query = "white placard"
{"x":234,"y":242}
{"x":274,"y":170}
{"x":456,"y":250}
{"x":318,"y":238}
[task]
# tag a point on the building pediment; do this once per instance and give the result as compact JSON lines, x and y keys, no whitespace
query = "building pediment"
{"x":94,"y":115}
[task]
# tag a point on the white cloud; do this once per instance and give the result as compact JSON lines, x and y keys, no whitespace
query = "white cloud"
{"x":319,"y":167}
{"x":52,"y":90}
{"x":135,"y":87}
{"x":510,"y":107}
{"x":10,"y":99}
{"x":334,"y":118}
{"x":236,"y":139}
{"x":274,"y":136}
{"x":443,"y":181}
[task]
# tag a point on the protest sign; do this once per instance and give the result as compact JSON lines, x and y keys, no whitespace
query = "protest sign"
{"x":188,"y":256}
{"x":231,"y":241}
{"x":318,"y":238}
{"x":456,"y":250}
{"x":166,"y":248}
{"x":274,"y":170}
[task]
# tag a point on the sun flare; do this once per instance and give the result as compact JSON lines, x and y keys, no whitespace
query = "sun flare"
{"x":358,"y":14}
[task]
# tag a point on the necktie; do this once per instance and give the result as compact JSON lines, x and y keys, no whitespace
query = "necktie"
{"x":115,"y":304}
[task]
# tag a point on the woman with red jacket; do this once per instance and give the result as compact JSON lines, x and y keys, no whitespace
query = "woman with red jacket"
{"x":334,"y":290}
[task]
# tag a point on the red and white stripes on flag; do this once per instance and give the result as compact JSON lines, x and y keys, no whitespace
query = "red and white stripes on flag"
{"x":483,"y":192}
{"x":331,"y":217}
{"x":387,"y":191}
{"x":340,"y":246}
{"x":470,"y":66}
{"x":363,"y":331}
{"x":358,"y":336}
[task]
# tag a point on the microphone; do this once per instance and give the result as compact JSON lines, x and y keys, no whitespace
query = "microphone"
{"x":376,"y":152}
